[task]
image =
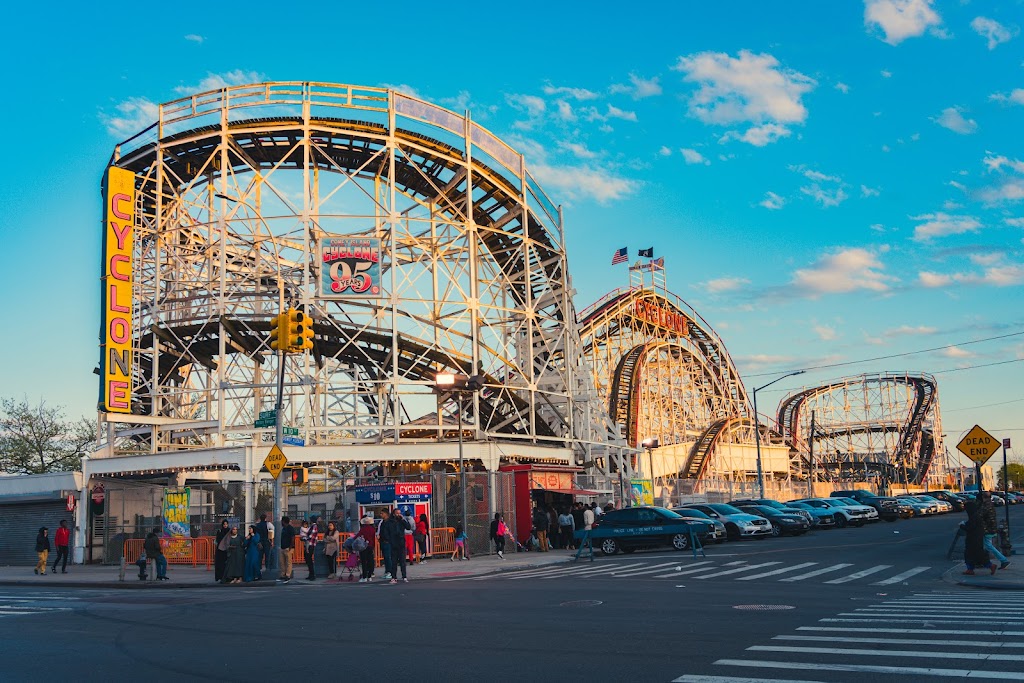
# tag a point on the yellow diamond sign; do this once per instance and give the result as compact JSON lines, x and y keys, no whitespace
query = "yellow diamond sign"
{"x":275,"y":461}
{"x":978,"y":445}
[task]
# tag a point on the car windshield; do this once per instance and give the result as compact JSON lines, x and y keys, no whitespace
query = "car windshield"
{"x":800,"y":506}
{"x":762,"y":510}
{"x":723,"y":509}
{"x":847,"y":501}
{"x":927,"y":499}
{"x":667,"y":513}
{"x":689,"y":512}
{"x":816,"y":503}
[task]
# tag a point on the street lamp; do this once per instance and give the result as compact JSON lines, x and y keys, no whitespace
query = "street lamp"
{"x":460,"y":384}
{"x":757,"y":430}
{"x":650,"y":444}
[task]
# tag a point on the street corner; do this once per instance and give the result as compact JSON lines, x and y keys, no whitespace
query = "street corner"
{"x":1010,"y":578}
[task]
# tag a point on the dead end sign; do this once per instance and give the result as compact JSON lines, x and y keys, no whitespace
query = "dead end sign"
{"x":979,"y":445}
{"x":275,"y":461}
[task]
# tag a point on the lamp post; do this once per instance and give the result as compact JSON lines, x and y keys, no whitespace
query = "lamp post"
{"x":757,"y":430}
{"x":460,"y":384}
{"x":650,"y":444}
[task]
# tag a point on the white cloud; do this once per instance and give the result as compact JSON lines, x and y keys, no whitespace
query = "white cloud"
{"x":1015,"y":222}
{"x":847,"y":270}
{"x":132,"y":115}
{"x":639,"y":88}
{"x":565,"y":111}
{"x":772,"y":201}
{"x":953,"y":119}
{"x":692,"y":156}
{"x":811,"y":174}
{"x":942,"y":224}
{"x":534,"y":106}
{"x":725,"y":284}
{"x":989,"y":259}
{"x":750,"y":88}
{"x":825,"y":197}
{"x":885,"y":74}
{"x":907,"y":331}
{"x":665,"y":151}
{"x":825,"y":332}
{"x":877,"y":227}
{"x":612,"y":112}
{"x":194,"y":38}
{"x":956,"y":352}
{"x":1015,"y":96}
{"x":214,"y":81}
{"x":579,"y":150}
{"x":1002,"y":275}
{"x":842,"y":87}
{"x":995,"y":162}
{"x":900,"y":19}
{"x":866,"y":191}
{"x":579,"y":94}
{"x":585,"y":181}
{"x":993,"y":31}
{"x":932,"y":280}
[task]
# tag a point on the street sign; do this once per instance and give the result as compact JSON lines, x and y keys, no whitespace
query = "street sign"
{"x":290,"y":431}
{"x":978,"y":445}
{"x":275,"y":461}
{"x":1006,"y":444}
{"x":265,"y":422}
{"x":293,"y":441}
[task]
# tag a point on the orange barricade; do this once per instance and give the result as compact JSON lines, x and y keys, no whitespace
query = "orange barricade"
{"x":193,"y":551}
{"x":442,"y":540}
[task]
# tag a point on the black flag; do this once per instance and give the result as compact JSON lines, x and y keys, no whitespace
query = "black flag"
{"x":646,"y":253}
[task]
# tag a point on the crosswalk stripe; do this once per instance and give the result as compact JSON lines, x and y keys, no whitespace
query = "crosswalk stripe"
{"x":936,"y":631}
{"x":898,"y":641}
{"x":784,"y":570}
{"x":34,"y":609}
{"x":534,"y":572}
{"x":870,"y":668}
{"x":987,"y":656}
{"x":861,"y":574}
{"x":737,"y":571}
{"x":912,"y":614}
{"x":23,"y":597}
{"x":910,"y":606}
{"x":588,"y":572}
{"x":901,"y":577}
{"x":645,"y":570}
{"x":926,"y":620}
{"x":14,"y":614}
{"x":695,"y":678}
{"x":818,"y":572}
{"x":685,"y":571}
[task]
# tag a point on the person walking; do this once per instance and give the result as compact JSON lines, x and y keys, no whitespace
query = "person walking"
{"x":567,"y":526}
{"x":270,"y":545}
{"x":234,"y":566}
{"x":264,"y":534}
{"x":410,"y":532}
{"x":498,"y":532}
{"x":253,"y":555}
{"x":460,"y":544}
{"x":422,"y":532}
{"x":577,"y":515}
{"x":156,"y":553}
{"x":385,"y":546}
{"x":540,"y":528}
{"x":988,"y":517}
{"x":975,"y":554}
{"x":42,"y":550}
{"x":312,"y":535}
{"x":61,"y":541}
{"x":287,"y":548}
{"x":369,"y":533}
{"x":554,"y":537}
{"x":393,"y":530}
{"x":332,"y":544}
{"x":220,"y":553}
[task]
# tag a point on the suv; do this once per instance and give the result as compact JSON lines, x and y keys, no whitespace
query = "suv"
{"x":768,"y":502}
{"x":888,"y":508}
{"x":738,"y":524}
{"x":845,"y":514}
{"x":644,"y":527}
{"x":956,"y":501}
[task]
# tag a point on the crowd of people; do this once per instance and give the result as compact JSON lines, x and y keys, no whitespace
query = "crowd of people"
{"x":555,"y":528}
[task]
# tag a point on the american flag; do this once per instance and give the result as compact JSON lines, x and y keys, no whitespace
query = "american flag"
{"x":620,"y":256}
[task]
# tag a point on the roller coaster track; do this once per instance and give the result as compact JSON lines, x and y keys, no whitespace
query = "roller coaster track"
{"x":697,"y":460}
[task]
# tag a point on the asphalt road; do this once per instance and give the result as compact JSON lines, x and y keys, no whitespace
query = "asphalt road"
{"x":629,"y":617}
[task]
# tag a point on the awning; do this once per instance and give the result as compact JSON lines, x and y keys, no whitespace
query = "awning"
{"x":573,"y":492}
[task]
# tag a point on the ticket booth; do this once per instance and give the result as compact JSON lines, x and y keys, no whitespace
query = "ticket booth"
{"x":411,"y":497}
{"x":554,"y":486}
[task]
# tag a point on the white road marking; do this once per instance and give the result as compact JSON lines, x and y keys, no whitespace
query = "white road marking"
{"x":686,"y":571}
{"x":906,"y":614}
{"x":818,"y":572}
{"x":747,"y":568}
{"x":988,"y":656}
{"x":889,"y":620}
{"x":597,"y":570}
{"x":861,"y":574}
{"x":694,"y":678}
{"x":898,"y":641}
{"x":901,"y":577}
{"x":869,"y":668}
{"x":784,"y":570}
{"x":936,"y":631}
{"x":646,"y":570}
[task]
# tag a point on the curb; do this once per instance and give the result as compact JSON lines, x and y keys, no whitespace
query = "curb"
{"x":137,"y":585}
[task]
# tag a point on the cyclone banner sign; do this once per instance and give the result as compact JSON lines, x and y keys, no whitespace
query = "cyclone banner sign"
{"x":116,"y":292}
{"x":350,"y":268}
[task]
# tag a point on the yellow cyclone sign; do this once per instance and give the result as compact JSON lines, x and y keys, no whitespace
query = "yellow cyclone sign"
{"x":117,"y":279}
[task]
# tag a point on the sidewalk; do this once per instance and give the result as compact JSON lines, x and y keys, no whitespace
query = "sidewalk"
{"x":1011,"y":578}
{"x":181,"y":576}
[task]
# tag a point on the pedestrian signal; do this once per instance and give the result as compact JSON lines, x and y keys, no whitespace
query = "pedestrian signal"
{"x":299,"y":475}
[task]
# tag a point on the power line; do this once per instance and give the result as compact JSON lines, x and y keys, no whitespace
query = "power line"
{"x":983,"y":365}
{"x":894,"y":355}
{"x":987,"y":405}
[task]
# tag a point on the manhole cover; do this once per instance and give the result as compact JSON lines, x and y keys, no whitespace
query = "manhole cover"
{"x":580,"y":603}
{"x":763,"y":608}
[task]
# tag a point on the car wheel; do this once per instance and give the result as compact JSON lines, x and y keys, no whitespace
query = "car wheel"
{"x":732,"y":532}
{"x":840,"y":521}
{"x":609,"y":546}
{"x":627,"y":551}
{"x":776,"y":530}
{"x":681,"y":541}
{"x":890,"y":519}
{"x":858,"y":524}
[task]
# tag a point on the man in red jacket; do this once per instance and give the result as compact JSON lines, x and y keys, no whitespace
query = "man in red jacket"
{"x":61,"y":540}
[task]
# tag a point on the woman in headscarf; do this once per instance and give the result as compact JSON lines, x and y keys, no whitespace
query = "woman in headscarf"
{"x":975,"y":554}
{"x":234,"y":567}
{"x":332,"y":544}
{"x":220,"y":553}
{"x":369,"y":534}
{"x":252,"y":555}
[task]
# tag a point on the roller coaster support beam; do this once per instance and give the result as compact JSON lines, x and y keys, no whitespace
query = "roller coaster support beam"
{"x":757,"y":431}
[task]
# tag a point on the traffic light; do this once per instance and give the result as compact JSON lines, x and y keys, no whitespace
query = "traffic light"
{"x":299,"y":331}
{"x":278,"y":330}
{"x":299,"y":475}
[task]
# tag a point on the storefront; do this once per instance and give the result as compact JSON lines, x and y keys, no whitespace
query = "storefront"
{"x":554,"y":486}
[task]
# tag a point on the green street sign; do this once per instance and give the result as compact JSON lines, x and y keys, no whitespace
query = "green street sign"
{"x":290,"y":431}
{"x":268,"y":414}
{"x":265,"y":423}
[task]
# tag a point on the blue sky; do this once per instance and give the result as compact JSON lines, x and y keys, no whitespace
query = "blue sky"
{"x":828,"y":182}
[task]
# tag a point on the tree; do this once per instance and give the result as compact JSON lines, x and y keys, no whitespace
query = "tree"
{"x":1016,"y":471}
{"x":38,"y":439}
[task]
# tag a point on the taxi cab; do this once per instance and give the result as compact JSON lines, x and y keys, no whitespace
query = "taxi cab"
{"x":646,"y":527}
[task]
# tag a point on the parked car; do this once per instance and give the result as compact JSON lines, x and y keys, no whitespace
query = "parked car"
{"x":718,"y":534}
{"x":824,"y":518}
{"x":956,"y":501}
{"x":1008,"y":498}
{"x":870,"y":512}
{"x":738,"y":524}
{"x":920,"y":508}
{"x":944,"y":506}
{"x":772,"y":504}
{"x":845,"y":515}
{"x":887,"y":508}
{"x":901,"y":510}
{"x":782,"y":522}
{"x":645,"y":527}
